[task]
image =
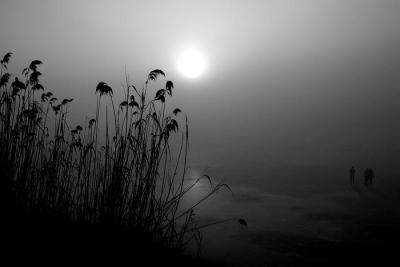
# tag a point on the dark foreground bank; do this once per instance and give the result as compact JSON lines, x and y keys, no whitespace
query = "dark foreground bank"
{"x":33,"y":238}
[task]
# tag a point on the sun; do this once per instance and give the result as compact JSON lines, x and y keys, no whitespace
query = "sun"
{"x":191,"y":63}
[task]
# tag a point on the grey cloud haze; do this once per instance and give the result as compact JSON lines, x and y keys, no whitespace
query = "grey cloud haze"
{"x":289,"y":84}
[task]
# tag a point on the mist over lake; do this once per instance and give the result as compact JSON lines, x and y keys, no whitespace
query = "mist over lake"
{"x":282,"y":99}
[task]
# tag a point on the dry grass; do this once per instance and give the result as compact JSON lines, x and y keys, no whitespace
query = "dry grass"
{"x":129,"y":180}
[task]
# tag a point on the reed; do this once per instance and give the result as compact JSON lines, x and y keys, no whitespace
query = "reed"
{"x":118,"y":169}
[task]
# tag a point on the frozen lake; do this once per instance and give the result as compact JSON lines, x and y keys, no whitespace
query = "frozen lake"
{"x":308,"y":224}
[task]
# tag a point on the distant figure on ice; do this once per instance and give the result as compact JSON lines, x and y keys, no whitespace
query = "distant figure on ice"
{"x":352,"y":174}
{"x":368,"y":176}
{"x":371,"y":176}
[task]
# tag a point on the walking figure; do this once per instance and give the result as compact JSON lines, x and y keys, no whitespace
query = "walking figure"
{"x":369,"y":175}
{"x":366,"y":176}
{"x":352,"y":174}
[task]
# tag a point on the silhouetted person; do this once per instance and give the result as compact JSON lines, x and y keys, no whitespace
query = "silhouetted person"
{"x":371,"y":176}
{"x":366,"y":176}
{"x":352,"y":174}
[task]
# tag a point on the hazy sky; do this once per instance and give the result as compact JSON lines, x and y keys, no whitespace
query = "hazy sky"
{"x":289,"y":85}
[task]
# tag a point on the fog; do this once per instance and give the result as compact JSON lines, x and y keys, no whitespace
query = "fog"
{"x":289,"y":84}
{"x":294,"y":93}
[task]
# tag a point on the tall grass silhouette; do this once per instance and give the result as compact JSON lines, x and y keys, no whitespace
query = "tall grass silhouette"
{"x":125,"y":176}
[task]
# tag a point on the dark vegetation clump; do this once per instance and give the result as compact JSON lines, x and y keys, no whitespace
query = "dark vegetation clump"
{"x":111,"y":185}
